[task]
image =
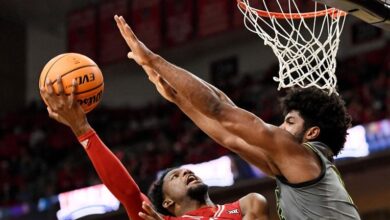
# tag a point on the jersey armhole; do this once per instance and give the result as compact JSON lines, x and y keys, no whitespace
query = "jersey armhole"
{"x":309,"y":182}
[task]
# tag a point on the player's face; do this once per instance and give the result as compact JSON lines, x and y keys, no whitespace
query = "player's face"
{"x":294,"y":124}
{"x":178,"y":184}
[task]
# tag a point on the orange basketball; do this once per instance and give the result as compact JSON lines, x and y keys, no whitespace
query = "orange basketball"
{"x":76,"y":66}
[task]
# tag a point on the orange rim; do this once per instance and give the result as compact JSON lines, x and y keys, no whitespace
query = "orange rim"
{"x":279,"y":15}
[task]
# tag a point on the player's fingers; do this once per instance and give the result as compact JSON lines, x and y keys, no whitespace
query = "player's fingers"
{"x":145,"y":216}
{"x":72,"y":93}
{"x":116,"y":18}
{"x":45,"y":96}
{"x":60,"y":85}
{"x":119,"y":25}
{"x":43,"y":91}
{"x":127,"y":30}
{"x":61,"y":101}
{"x":49,"y":96}
{"x":49,"y":87}
{"x":149,"y":210}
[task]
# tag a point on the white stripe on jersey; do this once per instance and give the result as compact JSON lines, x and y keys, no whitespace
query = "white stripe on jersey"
{"x":220,"y":210}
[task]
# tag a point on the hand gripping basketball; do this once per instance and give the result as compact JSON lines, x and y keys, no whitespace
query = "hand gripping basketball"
{"x":64,"y":108}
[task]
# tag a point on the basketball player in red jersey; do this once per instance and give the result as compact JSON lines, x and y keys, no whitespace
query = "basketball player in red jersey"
{"x":178,"y":194}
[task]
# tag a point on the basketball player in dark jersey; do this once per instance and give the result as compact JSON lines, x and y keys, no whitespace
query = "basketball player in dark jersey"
{"x":298,"y":154}
{"x":178,"y":194}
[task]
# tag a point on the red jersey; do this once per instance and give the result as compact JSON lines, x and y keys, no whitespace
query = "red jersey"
{"x":115,"y":176}
{"x":230,"y":211}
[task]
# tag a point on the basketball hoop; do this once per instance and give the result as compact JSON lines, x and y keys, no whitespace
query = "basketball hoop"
{"x":306,"y":52}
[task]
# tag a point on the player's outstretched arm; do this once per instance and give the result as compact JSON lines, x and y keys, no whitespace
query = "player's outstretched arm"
{"x":205,"y":98}
{"x":66,"y":110}
{"x":208,"y":125}
{"x":264,"y":140}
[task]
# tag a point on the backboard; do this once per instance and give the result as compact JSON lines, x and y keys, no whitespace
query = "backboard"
{"x":375,"y":12}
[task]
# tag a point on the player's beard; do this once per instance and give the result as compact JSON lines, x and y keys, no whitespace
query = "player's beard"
{"x":198,"y":192}
{"x":299,"y":136}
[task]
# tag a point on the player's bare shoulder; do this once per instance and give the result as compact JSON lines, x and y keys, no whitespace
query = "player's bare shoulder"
{"x":254,"y":206}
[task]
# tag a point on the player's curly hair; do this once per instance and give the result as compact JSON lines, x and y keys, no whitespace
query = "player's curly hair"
{"x":156,"y":194}
{"x":318,"y":108}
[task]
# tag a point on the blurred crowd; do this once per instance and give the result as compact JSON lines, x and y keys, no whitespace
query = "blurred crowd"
{"x":40,"y":158}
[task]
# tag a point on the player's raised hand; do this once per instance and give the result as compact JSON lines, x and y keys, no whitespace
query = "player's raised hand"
{"x":139,"y":52}
{"x":64,"y":108}
{"x":150,"y":213}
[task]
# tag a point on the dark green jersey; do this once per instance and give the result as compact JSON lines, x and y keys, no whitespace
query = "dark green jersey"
{"x":322,"y":198}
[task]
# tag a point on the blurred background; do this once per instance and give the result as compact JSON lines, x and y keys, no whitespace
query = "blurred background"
{"x":41,"y":163}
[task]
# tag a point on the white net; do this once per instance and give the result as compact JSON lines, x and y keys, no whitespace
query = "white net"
{"x":305,"y":47}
